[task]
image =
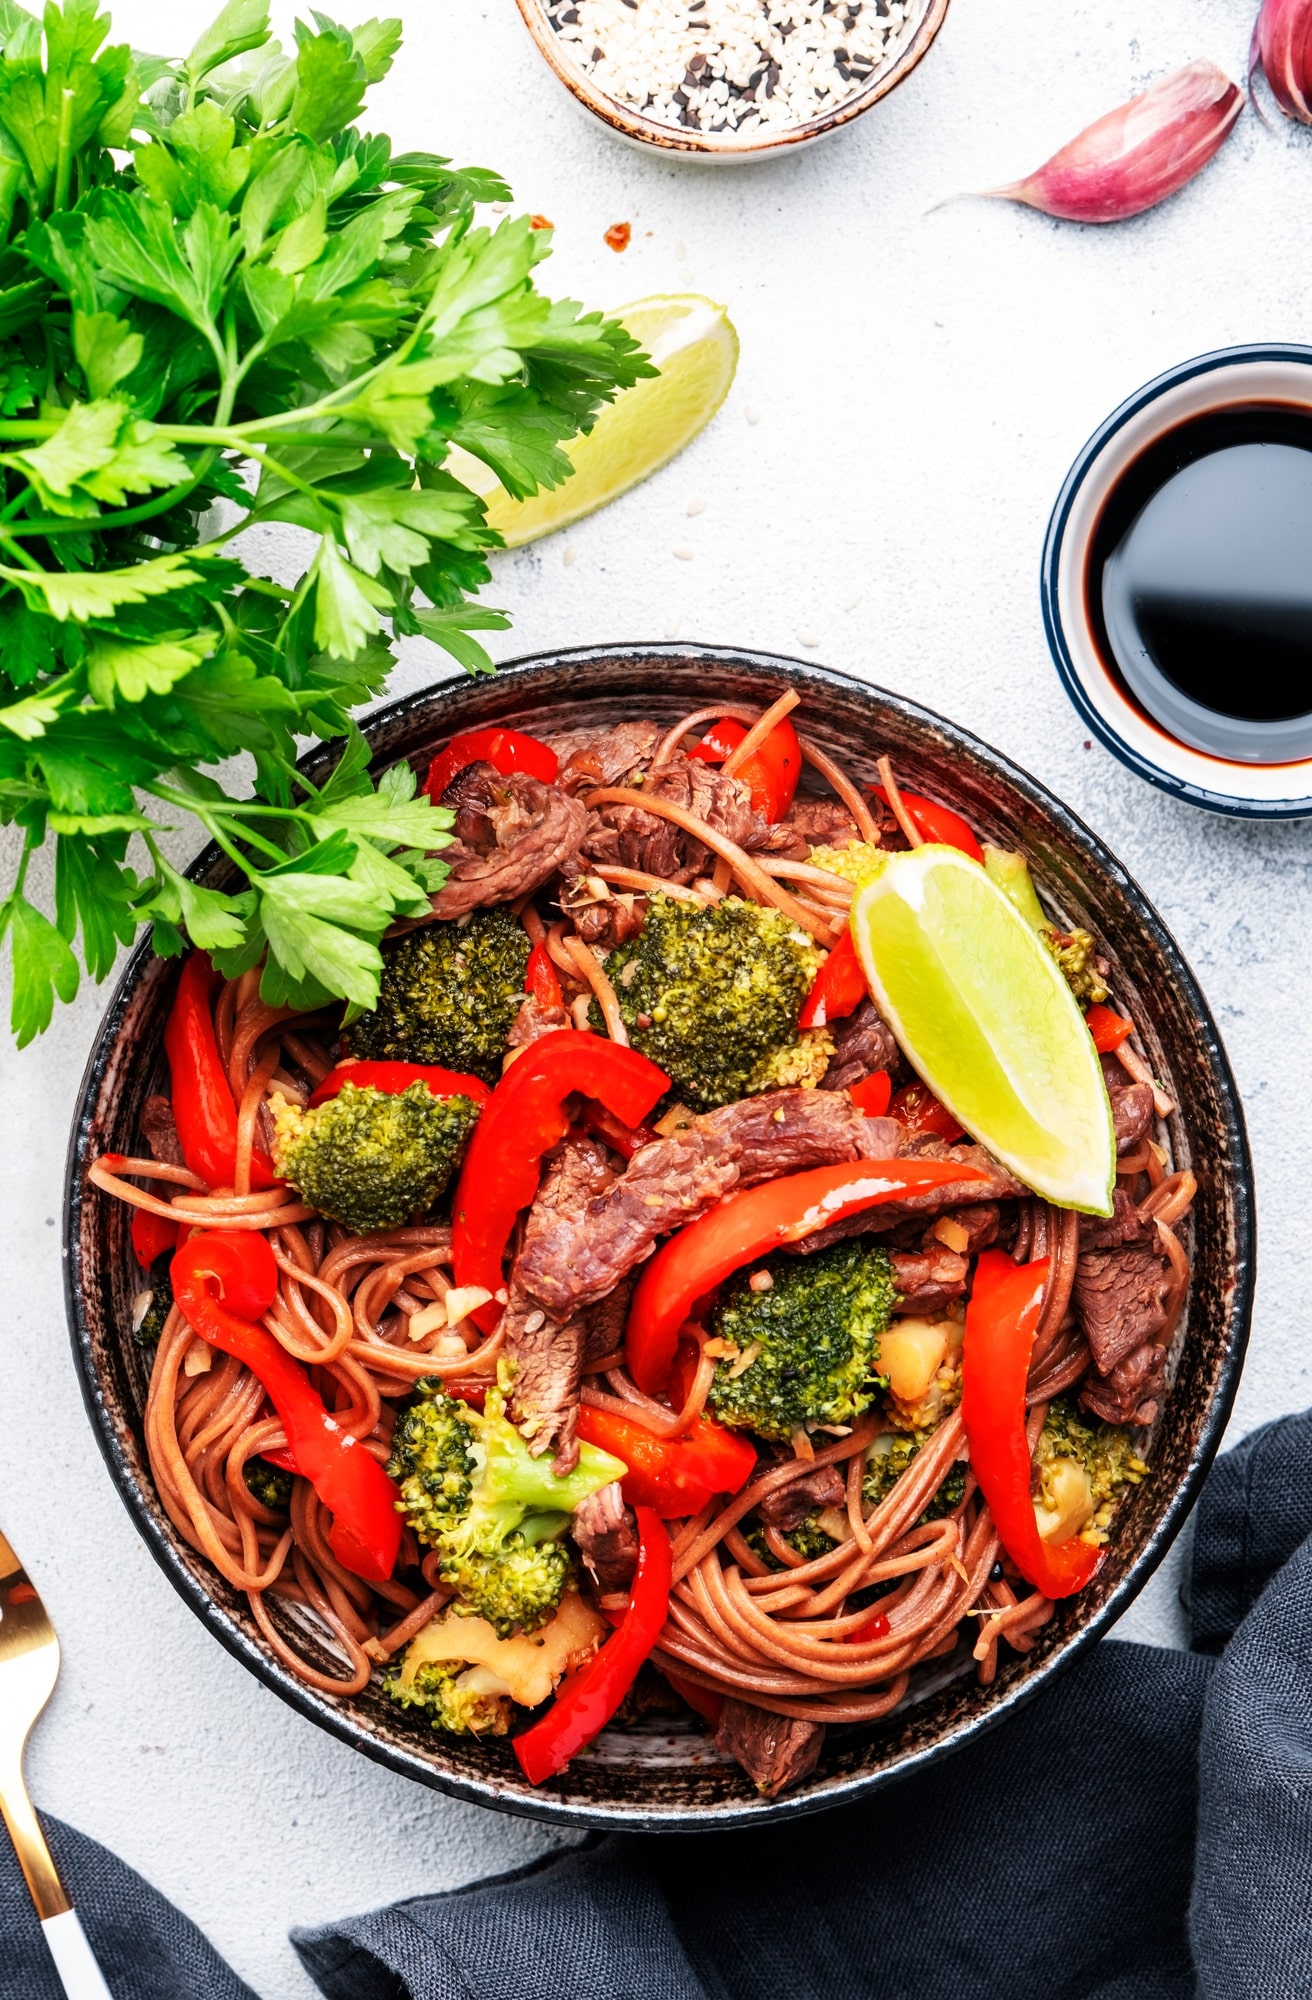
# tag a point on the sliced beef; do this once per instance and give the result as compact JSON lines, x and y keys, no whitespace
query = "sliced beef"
{"x":1122,"y":1226}
{"x":1129,"y":1395}
{"x":996,"y":1185}
{"x":625,"y":836}
{"x":574,"y":1256}
{"x":603,"y":1323}
{"x":606,"y":1534}
{"x":788,"y":1506}
{"x":929,"y":1280}
{"x":1133,"y":1109}
{"x":775,"y":1750}
{"x":533,"y":1021}
{"x":160,"y":1132}
{"x":604,"y":921}
{"x":811,"y":823}
{"x":862,"y":1044}
{"x":1120,"y":1297}
{"x":547,"y":1347}
{"x":589,"y":757}
{"x":980,"y":1226}
{"x":512,"y":835}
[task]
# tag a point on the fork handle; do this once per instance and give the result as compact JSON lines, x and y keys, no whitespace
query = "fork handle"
{"x":74,"y":1960}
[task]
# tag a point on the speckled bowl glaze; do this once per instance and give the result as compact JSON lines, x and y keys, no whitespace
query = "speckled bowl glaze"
{"x":729,"y":148}
{"x":667,"y":1779}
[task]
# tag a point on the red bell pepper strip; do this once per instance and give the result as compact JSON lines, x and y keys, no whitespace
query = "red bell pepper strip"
{"x":916,"y":1107}
{"x":152,"y":1235}
{"x":838,"y":988}
{"x":203,"y":1107}
{"x":626,"y":1140}
{"x":586,"y":1701}
{"x":394,"y":1077}
{"x":506,"y":750}
{"x":541,"y":980}
{"x":873,"y":1095}
{"x":937,"y":823}
{"x":1005,"y":1304}
{"x":674,"y":1476}
{"x":1108,"y":1030}
{"x":743,"y":1227}
{"x":770,"y":773}
{"x":224,"y":1283}
{"x":526,"y":1115}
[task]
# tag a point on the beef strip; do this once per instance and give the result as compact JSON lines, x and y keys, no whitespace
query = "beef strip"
{"x":1133,"y":1109}
{"x":981,"y":1225}
{"x":575,"y":1256}
{"x":607,"y":922}
{"x":512,"y":835}
{"x":611,"y":757}
{"x":547,"y":1348}
{"x":996,"y":1185}
{"x":625,"y":836}
{"x":606,"y":1534}
{"x":160,"y":1132}
{"x":533,"y":1021}
{"x":1122,"y":1226}
{"x":775,"y":1750}
{"x":811,"y":823}
{"x":929,"y":1280}
{"x":788,"y":1506}
{"x":603,"y":1323}
{"x":1129,"y":1395}
{"x":1120,"y":1297}
{"x":863,"y":1043}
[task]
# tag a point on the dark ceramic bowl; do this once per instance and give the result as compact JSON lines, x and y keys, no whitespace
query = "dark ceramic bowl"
{"x":673,"y":1779}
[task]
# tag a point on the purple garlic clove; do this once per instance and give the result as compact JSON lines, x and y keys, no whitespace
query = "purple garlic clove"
{"x":1282,"y":49}
{"x":1140,"y":153}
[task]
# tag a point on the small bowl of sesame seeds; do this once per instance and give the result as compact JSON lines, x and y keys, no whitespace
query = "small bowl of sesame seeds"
{"x":731,"y":79}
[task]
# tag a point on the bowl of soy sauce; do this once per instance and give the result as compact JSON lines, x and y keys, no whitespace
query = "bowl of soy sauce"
{"x":1177,"y":582}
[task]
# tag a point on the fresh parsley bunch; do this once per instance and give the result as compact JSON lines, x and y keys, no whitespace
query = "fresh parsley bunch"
{"x":215,"y":288}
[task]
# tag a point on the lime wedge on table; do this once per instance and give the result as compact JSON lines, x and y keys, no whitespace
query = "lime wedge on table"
{"x":985,"y":1016}
{"x":693,"y":343}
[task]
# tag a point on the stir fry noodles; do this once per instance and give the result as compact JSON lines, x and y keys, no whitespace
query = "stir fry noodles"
{"x":613,"y":1320}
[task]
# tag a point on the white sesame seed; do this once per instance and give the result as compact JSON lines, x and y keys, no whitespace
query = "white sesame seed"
{"x":697,"y":506}
{"x":752,"y":414}
{"x":850,"y":603}
{"x":807,"y":639}
{"x":672,"y":631}
{"x":684,"y":554}
{"x":569,"y":555}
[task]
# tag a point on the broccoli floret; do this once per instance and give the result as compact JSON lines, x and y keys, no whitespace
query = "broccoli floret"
{"x":461,"y":1710}
{"x":1103,"y":1452}
{"x":713,"y":995}
{"x":805,"y":1349}
{"x":271,"y":1486}
{"x":151,"y":1309}
{"x":1077,"y":955}
{"x":449,"y":994}
{"x":471,"y":1490}
{"x":888,"y":1458}
{"x":372,"y":1158}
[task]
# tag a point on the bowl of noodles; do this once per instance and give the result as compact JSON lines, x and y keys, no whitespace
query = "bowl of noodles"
{"x":841,"y":1606}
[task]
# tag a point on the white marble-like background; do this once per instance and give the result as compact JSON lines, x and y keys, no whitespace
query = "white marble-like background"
{"x":921,"y":384}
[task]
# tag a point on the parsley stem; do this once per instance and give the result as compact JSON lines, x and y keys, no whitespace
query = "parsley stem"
{"x":64,"y":161}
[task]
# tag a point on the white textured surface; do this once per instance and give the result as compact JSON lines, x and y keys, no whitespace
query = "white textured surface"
{"x":919,"y":386}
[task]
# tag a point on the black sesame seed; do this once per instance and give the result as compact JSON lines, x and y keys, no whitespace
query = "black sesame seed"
{"x":599,"y":55}
{"x":995,"y":1574}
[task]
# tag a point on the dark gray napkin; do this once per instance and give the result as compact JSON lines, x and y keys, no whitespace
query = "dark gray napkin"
{"x":1074,"y":1851}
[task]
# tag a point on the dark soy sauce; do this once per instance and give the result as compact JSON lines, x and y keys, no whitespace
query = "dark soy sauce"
{"x":1200,"y":582}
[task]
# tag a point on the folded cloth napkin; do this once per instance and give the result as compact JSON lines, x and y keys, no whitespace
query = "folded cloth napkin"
{"x":1141,"y":1832}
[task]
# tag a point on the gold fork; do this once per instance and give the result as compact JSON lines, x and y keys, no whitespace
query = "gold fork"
{"x":29,"y":1668}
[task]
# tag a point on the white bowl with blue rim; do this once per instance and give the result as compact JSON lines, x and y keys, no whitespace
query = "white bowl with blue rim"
{"x":1263,"y":777}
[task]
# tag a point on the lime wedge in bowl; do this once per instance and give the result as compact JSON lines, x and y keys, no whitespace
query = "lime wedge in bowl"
{"x":986,"y":1018}
{"x":693,"y":343}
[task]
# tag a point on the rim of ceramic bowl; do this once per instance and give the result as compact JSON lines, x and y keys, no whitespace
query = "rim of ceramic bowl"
{"x":1263,"y":372}
{"x":411,"y":728}
{"x":639,"y":130}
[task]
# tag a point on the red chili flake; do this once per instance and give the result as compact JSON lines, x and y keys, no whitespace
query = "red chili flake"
{"x":618,"y":235}
{"x":540,"y":222}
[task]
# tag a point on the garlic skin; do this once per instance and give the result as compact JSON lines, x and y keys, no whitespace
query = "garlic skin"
{"x":1138,"y":154}
{"x":1282,"y":49}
